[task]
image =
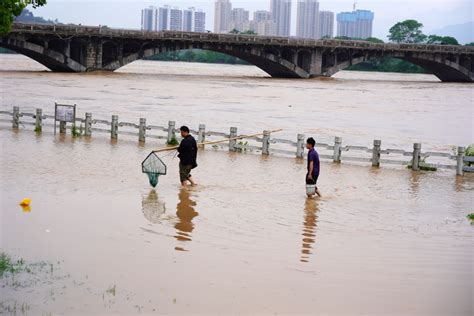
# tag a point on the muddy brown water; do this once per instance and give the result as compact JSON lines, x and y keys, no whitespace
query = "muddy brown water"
{"x":246,"y":240}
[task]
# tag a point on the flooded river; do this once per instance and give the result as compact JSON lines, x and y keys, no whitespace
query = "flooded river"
{"x":98,"y":240}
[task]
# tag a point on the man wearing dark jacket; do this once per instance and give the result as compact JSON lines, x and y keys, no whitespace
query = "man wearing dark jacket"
{"x":187,"y":156}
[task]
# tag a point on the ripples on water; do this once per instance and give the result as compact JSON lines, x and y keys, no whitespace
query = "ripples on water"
{"x":246,"y":240}
{"x":247,"y":229}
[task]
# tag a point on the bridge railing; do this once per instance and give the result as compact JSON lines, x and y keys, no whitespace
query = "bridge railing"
{"x":373,"y":155}
{"x":80,"y":30}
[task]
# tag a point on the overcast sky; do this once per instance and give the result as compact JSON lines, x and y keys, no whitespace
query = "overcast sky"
{"x":434,"y":14}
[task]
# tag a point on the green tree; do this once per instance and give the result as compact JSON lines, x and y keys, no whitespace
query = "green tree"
{"x":374,"y":40}
{"x":408,"y":31}
{"x":234,"y":31}
{"x":442,"y":40}
{"x":248,"y":32}
{"x":9,"y":9}
{"x":470,"y":44}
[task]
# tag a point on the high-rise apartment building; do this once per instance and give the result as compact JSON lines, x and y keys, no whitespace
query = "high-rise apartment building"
{"x":150,"y":19}
{"x":194,"y":20}
{"x":239,"y":19}
{"x":163,"y":18}
{"x":222,"y":16}
{"x":308,"y":19}
{"x":355,"y":24}
{"x":262,"y":16}
{"x":326,"y":24}
{"x":281,"y":16}
{"x":175,"y":19}
{"x":199,"y":21}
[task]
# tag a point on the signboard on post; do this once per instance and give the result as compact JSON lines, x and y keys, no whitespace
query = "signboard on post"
{"x":63,"y":114}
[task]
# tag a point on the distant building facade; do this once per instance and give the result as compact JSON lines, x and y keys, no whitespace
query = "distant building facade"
{"x":355,"y":24}
{"x":281,"y":16}
{"x":173,"y":19}
{"x":150,"y":19}
{"x":222,"y":16}
{"x":239,"y":19}
{"x":308,"y":19}
{"x":326,"y":24}
{"x":194,"y":20}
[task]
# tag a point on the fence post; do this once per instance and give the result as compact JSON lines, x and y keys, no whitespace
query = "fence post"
{"x":62,"y":127}
{"x":171,"y":127}
{"x":16,"y":117}
{"x":233,"y":134}
{"x":39,"y":120}
{"x":202,"y":134}
{"x":337,"y":149}
{"x":300,"y":146}
{"x":114,"y":127}
{"x":142,"y":130}
{"x":376,"y":153}
{"x":460,"y":161}
{"x":266,"y":143}
{"x":416,"y":157}
{"x":88,"y":125}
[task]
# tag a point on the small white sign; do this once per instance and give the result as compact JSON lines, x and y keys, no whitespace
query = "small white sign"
{"x":65,"y":113}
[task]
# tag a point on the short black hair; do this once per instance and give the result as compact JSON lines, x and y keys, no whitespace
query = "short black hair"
{"x":311,"y":141}
{"x":184,"y":129}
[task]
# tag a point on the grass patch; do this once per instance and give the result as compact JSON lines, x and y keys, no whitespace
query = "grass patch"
{"x":471,"y":217}
{"x":173,"y":141}
{"x":7,"y":265}
{"x":76,"y":132}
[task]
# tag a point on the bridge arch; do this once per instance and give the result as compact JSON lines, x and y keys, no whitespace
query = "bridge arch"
{"x":443,"y":68}
{"x":49,"y":58}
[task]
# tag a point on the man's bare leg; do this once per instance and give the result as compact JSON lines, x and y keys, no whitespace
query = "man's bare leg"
{"x":318,"y":192}
{"x":191,"y":180}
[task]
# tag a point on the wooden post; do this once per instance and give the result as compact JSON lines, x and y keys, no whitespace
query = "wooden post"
{"x":233,"y":134}
{"x":16,"y":117}
{"x":202,"y":134}
{"x":39,"y":120}
{"x":266,"y":143}
{"x":88,"y":125}
{"x":171,"y":127}
{"x":114,"y":127}
{"x":142,"y":130}
{"x":416,"y":157}
{"x":62,"y":127}
{"x":300,"y":146}
{"x":376,"y":153}
{"x":460,"y":161}
{"x":337,"y":149}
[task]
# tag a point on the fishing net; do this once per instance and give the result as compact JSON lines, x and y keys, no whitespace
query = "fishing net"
{"x":154,"y":167}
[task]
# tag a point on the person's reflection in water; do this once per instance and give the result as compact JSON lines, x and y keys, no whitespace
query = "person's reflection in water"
{"x":309,"y":229}
{"x":153,"y":208}
{"x":185,"y":212}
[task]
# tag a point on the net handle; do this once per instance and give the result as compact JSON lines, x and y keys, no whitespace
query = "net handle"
{"x":219,"y":141}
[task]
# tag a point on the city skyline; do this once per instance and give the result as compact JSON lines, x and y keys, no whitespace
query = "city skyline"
{"x":445,"y":17}
{"x":171,"y":18}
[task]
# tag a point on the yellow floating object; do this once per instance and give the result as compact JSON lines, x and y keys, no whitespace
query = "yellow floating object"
{"x":26,"y":208}
{"x":25,"y":202}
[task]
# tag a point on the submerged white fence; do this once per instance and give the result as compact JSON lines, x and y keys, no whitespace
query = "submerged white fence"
{"x":376,"y":156}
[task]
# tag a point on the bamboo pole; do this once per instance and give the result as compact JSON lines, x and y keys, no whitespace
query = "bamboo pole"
{"x":218,"y":141}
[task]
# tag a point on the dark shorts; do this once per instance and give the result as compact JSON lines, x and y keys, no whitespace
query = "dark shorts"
{"x":184,"y":172}
{"x":311,"y":182}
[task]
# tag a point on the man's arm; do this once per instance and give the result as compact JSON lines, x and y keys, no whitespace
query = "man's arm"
{"x":311,"y":168}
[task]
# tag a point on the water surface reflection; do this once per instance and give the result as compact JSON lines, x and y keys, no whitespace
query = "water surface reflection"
{"x":309,"y":228}
{"x":185,"y":212}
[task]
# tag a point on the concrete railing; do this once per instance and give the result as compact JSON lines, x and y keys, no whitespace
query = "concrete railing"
{"x":266,"y":145}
